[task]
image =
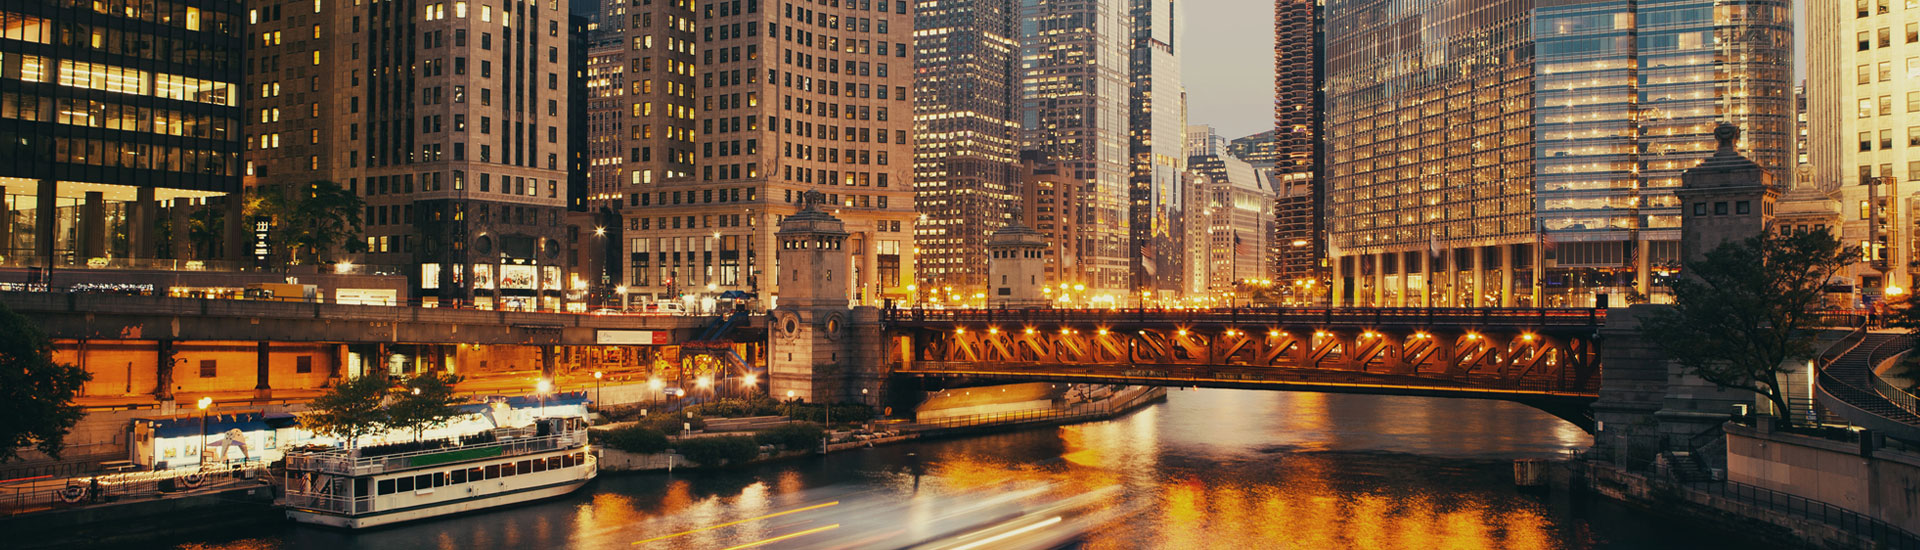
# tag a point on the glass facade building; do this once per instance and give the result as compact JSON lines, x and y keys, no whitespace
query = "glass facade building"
{"x":1074,"y":107}
{"x":966,"y":88}
{"x":1503,"y":153}
{"x":118,"y":118}
{"x":1156,"y":142}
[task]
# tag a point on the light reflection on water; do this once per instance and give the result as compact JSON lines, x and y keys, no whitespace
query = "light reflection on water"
{"x":1208,"y":469}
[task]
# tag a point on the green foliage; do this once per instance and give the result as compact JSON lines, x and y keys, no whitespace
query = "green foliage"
{"x":349,"y":410}
{"x":36,"y":394}
{"x":796,"y":436}
{"x":424,"y":402}
{"x":633,"y":439}
{"x":736,"y":408}
{"x":1743,"y":310}
{"x":672,"y":423}
{"x":842,"y":413}
{"x":311,"y":219}
{"x":719,"y":450}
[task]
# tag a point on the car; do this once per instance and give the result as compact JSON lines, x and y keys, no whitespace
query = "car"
{"x":608,"y":311}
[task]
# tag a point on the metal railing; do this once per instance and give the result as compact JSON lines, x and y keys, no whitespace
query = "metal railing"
{"x":1899,"y":397}
{"x":1884,"y":535}
{"x":347,"y":462}
{"x":1486,"y":317}
{"x":77,"y":491}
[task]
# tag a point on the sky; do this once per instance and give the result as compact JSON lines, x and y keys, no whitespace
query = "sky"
{"x":1226,"y":57}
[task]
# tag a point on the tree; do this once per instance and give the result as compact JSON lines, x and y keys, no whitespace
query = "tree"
{"x":427,"y":401}
{"x":205,"y":229}
{"x":36,"y":394}
{"x":1741,"y":312}
{"x":351,"y":409}
{"x":310,"y":220}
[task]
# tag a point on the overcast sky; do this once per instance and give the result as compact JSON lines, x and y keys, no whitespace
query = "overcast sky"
{"x":1226,"y":57}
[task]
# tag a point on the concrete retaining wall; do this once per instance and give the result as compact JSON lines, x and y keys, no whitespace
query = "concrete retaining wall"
{"x":1880,"y":483}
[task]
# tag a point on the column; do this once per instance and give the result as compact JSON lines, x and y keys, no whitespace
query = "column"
{"x":236,"y":245}
{"x":93,"y":226}
{"x":1447,"y":269}
{"x":163,"y":370}
{"x":546,"y":362}
{"x":1479,"y":276}
{"x":260,"y":364}
{"x":1539,"y":274}
{"x":6,"y":225}
{"x":1506,"y":275}
{"x":182,"y":228}
{"x":1406,"y":281}
{"x":142,"y":226}
{"x":1641,"y":264}
{"x":1339,"y":282}
{"x":44,"y":222}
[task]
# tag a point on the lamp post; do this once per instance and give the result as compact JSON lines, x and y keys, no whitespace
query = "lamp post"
{"x":596,"y":388}
{"x":542,"y":388}
{"x":204,"y":403}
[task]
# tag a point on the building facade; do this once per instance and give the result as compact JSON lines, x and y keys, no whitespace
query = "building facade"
{"x":1074,"y":101}
{"x":1294,"y":149}
{"x":791,"y":97}
{"x":1534,"y":165}
{"x":121,"y":120}
{"x":1157,"y":148}
{"x":966,"y":93}
{"x":1238,"y":220}
{"x":1863,"y":93}
{"x":1050,"y":205}
{"x":448,"y":119}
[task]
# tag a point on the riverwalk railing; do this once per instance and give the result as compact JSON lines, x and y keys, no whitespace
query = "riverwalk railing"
{"x":1885,"y":535}
{"x":40,"y":494}
{"x":349,"y":463}
{"x":1067,"y":413}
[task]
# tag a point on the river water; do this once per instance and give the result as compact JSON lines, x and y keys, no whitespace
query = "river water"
{"x":1206,"y":469}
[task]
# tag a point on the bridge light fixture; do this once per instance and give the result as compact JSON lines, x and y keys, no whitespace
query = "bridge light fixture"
{"x":1103,"y":332}
{"x":1473,"y":336}
{"x":993,"y":330}
{"x":1182,"y":332}
{"x":960,"y":330}
{"x":1319,"y":334}
{"x":1528,"y":337}
{"x":705,"y":381}
{"x":749,"y":379}
{"x":1064,"y":330}
{"x":1273,"y":334}
{"x":1029,"y":330}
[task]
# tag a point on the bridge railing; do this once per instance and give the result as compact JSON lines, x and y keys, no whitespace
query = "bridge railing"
{"x":1509,"y":317}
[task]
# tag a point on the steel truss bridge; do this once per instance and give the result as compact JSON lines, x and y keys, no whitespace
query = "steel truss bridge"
{"x":1546,"y":358}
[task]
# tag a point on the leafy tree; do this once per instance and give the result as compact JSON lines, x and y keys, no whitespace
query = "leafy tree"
{"x":310,"y":220}
{"x":427,"y":401}
{"x":351,"y":409}
{"x":634,"y":438}
{"x":36,"y":394}
{"x":1741,"y":312}
{"x":205,"y":228}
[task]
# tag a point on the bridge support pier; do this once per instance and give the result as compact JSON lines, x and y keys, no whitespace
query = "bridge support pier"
{"x":163,"y":370}
{"x":261,"y":388}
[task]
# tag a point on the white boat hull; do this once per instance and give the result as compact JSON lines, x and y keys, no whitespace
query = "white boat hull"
{"x":437,"y":510}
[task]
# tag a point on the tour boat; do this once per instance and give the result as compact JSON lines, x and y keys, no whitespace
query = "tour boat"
{"x":387,"y":484}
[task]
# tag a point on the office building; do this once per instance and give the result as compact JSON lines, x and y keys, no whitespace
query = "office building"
{"x":121,"y":120}
{"x":448,"y":119}
{"x":791,"y":97}
{"x":1863,"y":92}
{"x":1234,"y":211}
{"x":1530,"y":159}
{"x":1050,"y":205}
{"x":1157,"y":140}
{"x":1074,"y":102}
{"x":1257,"y":149}
{"x":965,"y":135}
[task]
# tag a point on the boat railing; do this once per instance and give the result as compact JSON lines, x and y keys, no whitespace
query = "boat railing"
{"x":347,"y":462}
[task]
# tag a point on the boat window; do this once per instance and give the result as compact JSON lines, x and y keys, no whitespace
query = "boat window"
{"x":566,"y":461}
{"x":553,"y":463}
{"x":386,"y":486}
{"x":425,"y":481}
{"x":404,"y":485}
{"x":539,"y":465}
{"x":493,"y":471}
{"x":457,"y":477}
{"x":360,"y":487}
{"x":476,"y":474}
{"x":526,"y":467}
{"x":506,"y":469}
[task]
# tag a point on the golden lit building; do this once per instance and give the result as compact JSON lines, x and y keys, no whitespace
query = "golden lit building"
{"x":1863,"y":93}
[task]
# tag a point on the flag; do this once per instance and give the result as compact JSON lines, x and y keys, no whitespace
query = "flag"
{"x":1433,"y":243}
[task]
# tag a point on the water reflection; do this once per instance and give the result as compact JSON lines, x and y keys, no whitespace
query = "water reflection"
{"x":1208,"y":469}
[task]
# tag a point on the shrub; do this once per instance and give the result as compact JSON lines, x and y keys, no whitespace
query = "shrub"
{"x":797,"y":436}
{"x":716,"y":451}
{"x":735,"y":408}
{"x":818,"y":413}
{"x":672,"y":424}
{"x":633,"y":439}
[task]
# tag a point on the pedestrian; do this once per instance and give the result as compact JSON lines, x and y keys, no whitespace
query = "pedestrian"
{"x":93,"y":489}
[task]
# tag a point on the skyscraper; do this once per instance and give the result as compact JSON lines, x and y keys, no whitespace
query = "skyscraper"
{"x":111,"y":112}
{"x":792,"y":97}
{"x":1295,"y":149}
{"x":1529,"y":157}
{"x":1074,"y":108}
{"x":1233,"y":214}
{"x":1157,"y":139}
{"x":1863,"y":92}
{"x":446,"y":118}
{"x":965,"y":97}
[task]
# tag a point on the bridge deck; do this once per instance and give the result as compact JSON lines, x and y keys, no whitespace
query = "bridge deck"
{"x":1412,"y":317}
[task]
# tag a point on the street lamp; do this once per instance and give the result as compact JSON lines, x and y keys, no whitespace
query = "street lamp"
{"x":542,"y":387}
{"x":622,"y":290}
{"x":205,"y":403}
{"x":596,"y":388}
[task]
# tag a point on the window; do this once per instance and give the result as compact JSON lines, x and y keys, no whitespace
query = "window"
{"x":1720,"y":209}
{"x":1743,"y":207}
{"x":1863,"y":74}
{"x":1886,"y":105}
{"x":1866,"y":141}
{"x":1865,"y":42}
{"x":1885,"y":37}
{"x":1885,"y":70}
{"x":1886,"y":139}
{"x":303,"y":364}
{"x":207,"y":369}
{"x":1913,"y":136}
{"x":1699,"y":209}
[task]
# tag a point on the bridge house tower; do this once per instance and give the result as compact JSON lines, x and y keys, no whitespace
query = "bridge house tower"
{"x":1727,"y":197}
{"x":1016,"y":268}
{"x":821,"y":350}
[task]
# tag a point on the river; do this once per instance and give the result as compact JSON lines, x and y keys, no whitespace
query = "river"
{"x":1206,"y":469}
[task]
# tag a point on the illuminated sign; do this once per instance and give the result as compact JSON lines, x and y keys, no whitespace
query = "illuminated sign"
{"x":630,"y":337}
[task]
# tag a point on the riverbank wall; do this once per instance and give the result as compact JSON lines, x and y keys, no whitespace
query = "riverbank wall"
{"x":128,"y":521}
{"x":1119,"y":403}
{"x":1776,"y":517}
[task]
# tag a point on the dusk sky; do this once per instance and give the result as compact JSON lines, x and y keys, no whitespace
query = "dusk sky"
{"x":1227,"y":60}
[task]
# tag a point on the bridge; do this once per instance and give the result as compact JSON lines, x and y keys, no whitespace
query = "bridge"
{"x":1546,"y":358}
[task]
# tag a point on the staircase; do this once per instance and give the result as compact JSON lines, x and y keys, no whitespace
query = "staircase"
{"x":1847,"y":385}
